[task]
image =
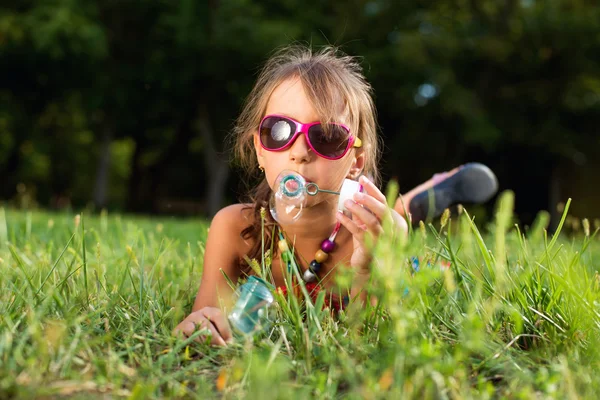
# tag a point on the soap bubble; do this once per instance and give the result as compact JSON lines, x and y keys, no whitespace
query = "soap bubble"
{"x":289,"y":197}
{"x":291,"y":194}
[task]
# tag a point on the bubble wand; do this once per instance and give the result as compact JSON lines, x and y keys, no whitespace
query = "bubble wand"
{"x":290,"y":188}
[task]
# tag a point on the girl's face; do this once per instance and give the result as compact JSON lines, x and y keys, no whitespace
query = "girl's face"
{"x":289,"y":99}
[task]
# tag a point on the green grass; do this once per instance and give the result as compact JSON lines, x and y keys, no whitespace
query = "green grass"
{"x":87,"y":309}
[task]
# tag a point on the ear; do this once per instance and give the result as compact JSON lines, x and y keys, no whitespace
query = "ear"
{"x":258,"y":150}
{"x":358,"y":164}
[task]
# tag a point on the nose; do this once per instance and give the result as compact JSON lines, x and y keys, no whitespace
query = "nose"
{"x":300,"y":151}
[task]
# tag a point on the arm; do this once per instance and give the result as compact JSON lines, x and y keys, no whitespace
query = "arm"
{"x":222,"y":253}
{"x":368,"y":210}
{"x":363,"y":275}
{"x":223,"y":248}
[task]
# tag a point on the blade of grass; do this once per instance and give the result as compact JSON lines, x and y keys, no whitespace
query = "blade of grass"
{"x":84,"y":254}
{"x":55,"y":264}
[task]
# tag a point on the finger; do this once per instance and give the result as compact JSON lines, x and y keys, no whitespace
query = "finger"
{"x":367,"y":217}
{"x":188,"y":325}
{"x":216,"y":317}
{"x":216,"y":338}
{"x":209,"y":328}
{"x":400,"y":224}
{"x":371,"y":189}
{"x":185,"y":329}
{"x":359,"y":223}
{"x":370,"y":234}
{"x":196,"y":321}
{"x":350,"y":225}
{"x":378,"y":208}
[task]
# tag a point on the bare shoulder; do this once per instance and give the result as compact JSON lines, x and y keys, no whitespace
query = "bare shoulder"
{"x":224,"y":249}
{"x":229,"y":223}
{"x":234,"y":215}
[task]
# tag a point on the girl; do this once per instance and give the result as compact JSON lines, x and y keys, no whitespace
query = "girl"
{"x":311,"y":113}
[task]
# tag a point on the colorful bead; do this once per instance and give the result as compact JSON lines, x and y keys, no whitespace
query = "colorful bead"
{"x":415,"y":263}
{"x":327,"y":246}
{"x":321,"y":256}
{"x":283,"y":246}
{"x":315,"y":266}
{"x":309,"y":276}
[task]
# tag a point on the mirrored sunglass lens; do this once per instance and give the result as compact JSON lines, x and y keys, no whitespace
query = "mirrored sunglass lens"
{"x":275,"y":132}
{"x":281,"y":131}
{"x":331,"y":141}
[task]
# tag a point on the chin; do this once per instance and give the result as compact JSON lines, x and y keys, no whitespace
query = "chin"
{"x":322,"y":201}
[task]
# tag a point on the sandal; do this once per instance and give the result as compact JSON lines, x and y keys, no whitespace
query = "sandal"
{"x":473,"y":183}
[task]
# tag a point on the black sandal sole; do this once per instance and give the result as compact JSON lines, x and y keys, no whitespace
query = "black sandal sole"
{"x":474,"y":183}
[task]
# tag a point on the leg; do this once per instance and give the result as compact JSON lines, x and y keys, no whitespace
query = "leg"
{"x":470,"y":183}
{"x":402,"y":205}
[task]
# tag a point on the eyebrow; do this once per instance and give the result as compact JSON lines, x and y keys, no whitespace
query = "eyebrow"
{"x":291,"y":117}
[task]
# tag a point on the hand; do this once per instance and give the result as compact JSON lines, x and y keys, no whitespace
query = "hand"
{"x":369,"y":210}
{"x":210,"y":318}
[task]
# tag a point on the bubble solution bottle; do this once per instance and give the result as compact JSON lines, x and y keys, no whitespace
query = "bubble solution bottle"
{"x":250,"y":312}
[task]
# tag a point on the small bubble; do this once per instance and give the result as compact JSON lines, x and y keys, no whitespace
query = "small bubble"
{"x":428,"y":91}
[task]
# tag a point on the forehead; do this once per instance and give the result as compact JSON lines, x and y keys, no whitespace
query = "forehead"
{"x":291,"y":98}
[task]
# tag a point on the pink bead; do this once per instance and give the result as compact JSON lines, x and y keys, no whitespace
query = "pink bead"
{"x":327,"y":246}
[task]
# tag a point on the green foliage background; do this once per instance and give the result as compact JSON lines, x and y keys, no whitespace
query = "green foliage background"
{"x":157,"y":85}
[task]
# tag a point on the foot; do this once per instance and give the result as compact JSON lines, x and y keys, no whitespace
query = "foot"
{"x":472,"y":183}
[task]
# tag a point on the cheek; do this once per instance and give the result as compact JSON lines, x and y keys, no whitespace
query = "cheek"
{"x":271,"y":176}
{"x":332,"y":176}
{"x":271,"y":181}
{"x":273,"y":168}
{"x":341,"y":170}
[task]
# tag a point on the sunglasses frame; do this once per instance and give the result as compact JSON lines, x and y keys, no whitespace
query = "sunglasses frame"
{"x":353,"y":141}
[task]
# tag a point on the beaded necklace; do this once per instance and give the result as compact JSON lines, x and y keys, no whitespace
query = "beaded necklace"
{"x":327,"y":246}
{"x":292,"y":189}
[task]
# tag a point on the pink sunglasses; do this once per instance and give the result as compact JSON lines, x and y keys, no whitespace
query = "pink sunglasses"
{"x":330,"y":141}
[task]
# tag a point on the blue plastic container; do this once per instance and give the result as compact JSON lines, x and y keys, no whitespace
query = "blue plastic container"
{"x":250,"y":312}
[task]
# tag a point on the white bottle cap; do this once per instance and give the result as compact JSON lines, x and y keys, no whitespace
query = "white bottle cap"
{"x":349,"y":187}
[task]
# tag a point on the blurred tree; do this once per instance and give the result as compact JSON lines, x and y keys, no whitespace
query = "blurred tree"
{"x":48,"y":51}
{"x":163,"y":81}
{"x":481,"y":79}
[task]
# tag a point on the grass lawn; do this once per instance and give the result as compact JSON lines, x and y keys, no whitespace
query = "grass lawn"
{"x":87,"y":306}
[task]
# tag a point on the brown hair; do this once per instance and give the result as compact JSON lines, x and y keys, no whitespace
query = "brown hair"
{"x":329,"y":77}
